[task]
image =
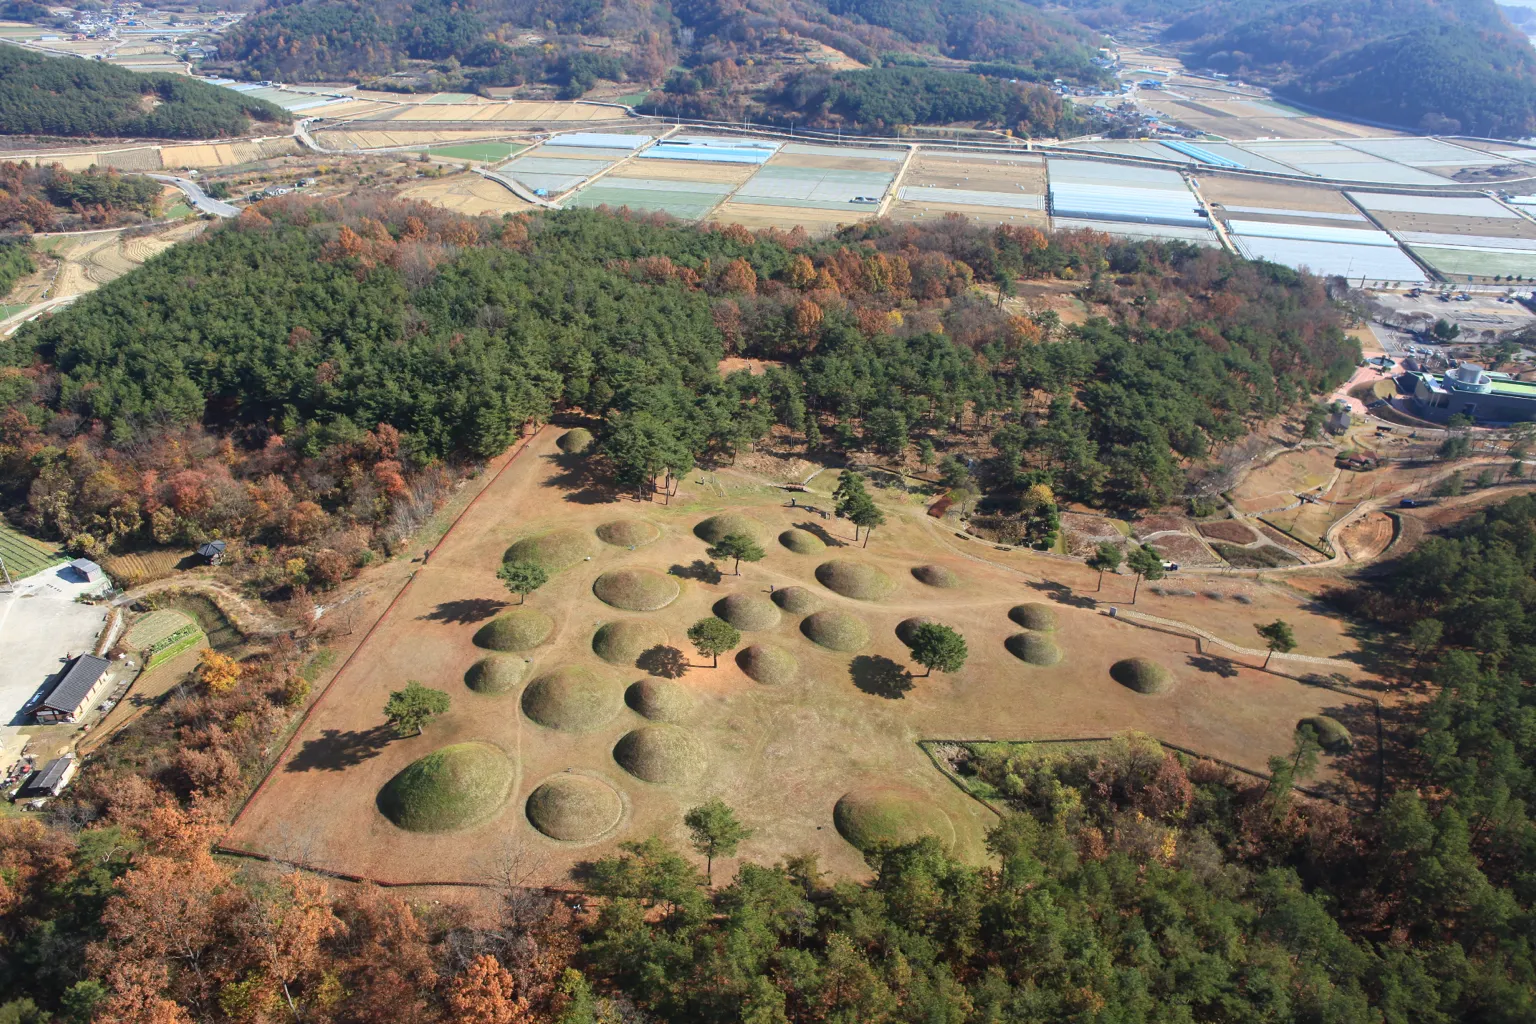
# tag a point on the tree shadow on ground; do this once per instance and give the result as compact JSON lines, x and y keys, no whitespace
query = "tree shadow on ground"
{"x":338,"y":749}
{"x":580,"y":476}
{"x":880,"y":676}
{"x":1222,"y":667}
{"x":704,"y":572}
{"x":821,"y":532}
{"x":1063,"y":594}
{"x":664,"y":661}
{"x":464,"y":611}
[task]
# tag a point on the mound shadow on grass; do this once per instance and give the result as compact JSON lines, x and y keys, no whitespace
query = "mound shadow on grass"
{"x":464,"y":611}
{"x":880,"y":676}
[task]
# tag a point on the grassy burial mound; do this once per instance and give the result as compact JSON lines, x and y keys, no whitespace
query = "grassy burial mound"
{"x":1033,"y":649}
{"x":717,"y":528}
{"x":628,"y":533}
{"x":574,"y":442}
{"x":767,"y":664}
{"x":873,"y":817}
{"x":936,"y":576}
{"x":796,"y":600}
{"x":452,"y":788}
{"x":660,"y":700}
{"x":836,"y":631}
{"x":636,"y":590}
{"x":574,"y":808}
{"x":1039,"y":617}
{"x":802,"y":542}
{"x":1142,"y":675}
{"x":517,"y":630}
{"x":553,"y":551}
{"x":495,"y":675}
{"x":622,"y":642}
{"x":748,"y":611}
{"x":664,"y":754}
{"x":906,"y":628}
{"x":572,"y":699}
{"x":1331,"y":734}
{"x":854,"y":579}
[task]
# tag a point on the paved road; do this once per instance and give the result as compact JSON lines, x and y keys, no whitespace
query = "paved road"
{"x":197,"y":197}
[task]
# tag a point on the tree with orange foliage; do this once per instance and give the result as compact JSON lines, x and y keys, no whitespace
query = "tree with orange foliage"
{"x":806,"y":319}
{"x":485,"y":994}
{"x":802,"y":272}
{"x":219,"y":672}
{"x":738,"y":276}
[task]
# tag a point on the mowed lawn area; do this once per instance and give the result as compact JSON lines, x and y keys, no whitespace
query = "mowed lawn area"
{"x":25,"y":556}
{"x":482,"y":152}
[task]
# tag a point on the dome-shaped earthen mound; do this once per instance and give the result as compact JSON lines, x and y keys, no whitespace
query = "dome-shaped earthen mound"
{"x":802,"y":542}
{"x":748,"y":611}
{"x":767,"y":664}
{"x":516,"y":630}
{"x":452,"y":788}
{"x":572,"y":699}
{"x":496,"y":674}
{"x":1033,"y":649}
{"x":1142,"y":675}
{"x":660,"y":700}
{"x":1331,"y":734}
{"x":622,"y":642}
{"x":717,"y":528}
{"x":796,"y":600}
{"x":628,"y":533}
{"x":1039,"y":617}
{"x":875,"y":817}
{"x":906,"y":627}
{"x":936,"y":576}
{"x":660,"y":753}
{"x":574,"y":442}
{"x":836,"y":631}
{"x":574,"y":808}
{"x":857,"y":580}
{"x":636,"y":590}
{"x":559,"y":549}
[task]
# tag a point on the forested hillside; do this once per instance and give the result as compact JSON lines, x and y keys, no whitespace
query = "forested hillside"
{"x":49,"y":198}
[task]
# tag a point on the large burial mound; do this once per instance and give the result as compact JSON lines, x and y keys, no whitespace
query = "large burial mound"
{"x":1331,"y":734}
{"x":1039,"y":617}
{"x":495,"y":674}
{"x":660,"y":700}
{"x":574,"y":442}
{"x":574,"y":808}
{"x":796,"y":600}
{"x":517,"y":630}
{"x":748,"y":611}
{"x":452,"y":788}
{"x":1033,"y":649}
{"x":836,"y":631}
{"x":936,"y":576}
{"x":622,"y":642}
{"x":628,"y":533}
{"x":765,"y":663}
{"x":572,"y":699}
{"x":802,"y":542}
{"x":636,"y":590}
{"x":857,"y":580}
{"x":660,"y":753}
{"x":554,"y":551}
{"x":907,"y":628}
{"x":872,"y":817}
{"x":717,"y":528}
{"x":1142,"y":675}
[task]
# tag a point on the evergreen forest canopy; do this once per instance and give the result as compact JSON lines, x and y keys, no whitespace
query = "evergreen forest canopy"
{"x":67,"y":96}
{"x":49,"y":198}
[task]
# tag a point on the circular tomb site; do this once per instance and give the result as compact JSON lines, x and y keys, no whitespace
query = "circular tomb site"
{"x":907,"y":628}
{"x":936,"y":576}
{"x":836,"y":631}
{"x":573,"y":700}
{"x":796,"y":600}
{"x":574,"y":808}
{"x":1142,"y":675}
{"x":767,"y":664}
{"x":876,"y":816}
{"x":636,"y":590}
{"x":449,"y":789}
{"x":1033,"y":649}
{"x":748,"y":611}
{"x":664,"y":754}
{"x":802,"y":542}
{"x":1332,"y":736}
{"x":628,"y":533}
{"x":1039,"y":617}
{"x":660,"y":700}
{"x":495,"y":675}
{"x":517,"y":630}
{"x":622,"y":642}
{"x":857,"y":580}
{"x":717,"y":528}
{"x":574,"y":442}
{"x":553,"y":551}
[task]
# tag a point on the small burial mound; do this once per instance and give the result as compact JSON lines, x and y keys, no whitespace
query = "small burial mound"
{"x":622,"y":642}
{"x":1039,"y":617}
{"x":1331,"y":734}
{"x":517,"y":630}
{"x":554,"y":551}
{"x":572,"y":699}
{"x":1142,"y":675}
{"x":628,"y":533}
{"x":716,"y":528}
{"x":660,"y":700}
{"x":748,"y":611}
{"x":660,"y":753}
{"x":836,"y":631}
{"x":872,"y":817}
{"x":1033,"y":649}
{"x":802,"y":542}
{"x":796,"y":600}
{"x":494,"y":675}
{"x":854,"y":579}
{"x":452,"y":788}
{"x":767,"y":664}
{"x":936,"y":576}
{"x":574,"y":808}
{"x":636,"y":590}
{"x":574,"y":442}
{"x":906,"y":627}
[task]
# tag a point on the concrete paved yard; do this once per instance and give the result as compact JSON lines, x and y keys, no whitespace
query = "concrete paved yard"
{"x":41,"y":627}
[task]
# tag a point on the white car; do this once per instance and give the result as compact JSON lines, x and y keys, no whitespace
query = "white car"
{"x":1170,"y":566}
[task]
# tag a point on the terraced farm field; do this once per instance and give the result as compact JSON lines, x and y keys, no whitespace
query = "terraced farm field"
{"x":25,"y":556}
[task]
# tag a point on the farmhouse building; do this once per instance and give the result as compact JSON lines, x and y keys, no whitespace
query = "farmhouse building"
{"x":1470,"y":390}
{"x":88,"y":569}
{"x":80,"y":685}
{"x":53,"y":778}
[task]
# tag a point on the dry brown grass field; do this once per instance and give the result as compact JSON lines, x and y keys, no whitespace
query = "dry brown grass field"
{"x":980,"y":174}
{"x":754,"y":215}
{"x":1271,"y":195}
{"x":468,"y":194}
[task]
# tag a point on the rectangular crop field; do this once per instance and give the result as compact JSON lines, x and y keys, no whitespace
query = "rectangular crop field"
{"x":980,"y":174}
{"x":25,"y":556}
{"x":1249,"y":196}
{"x":687,"y":171}
{"x":814,"y":220}
{"x":1463,"y":263}
{"x":685,"y":200}
{"x":480,"y":152}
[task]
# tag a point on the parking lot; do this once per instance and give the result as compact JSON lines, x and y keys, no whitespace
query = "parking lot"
{"x":41,"y":628}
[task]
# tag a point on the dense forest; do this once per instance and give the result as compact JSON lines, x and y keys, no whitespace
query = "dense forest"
{"x":15,"y":262}
{"x":49,"y":198}
{"x":67,"y":96}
